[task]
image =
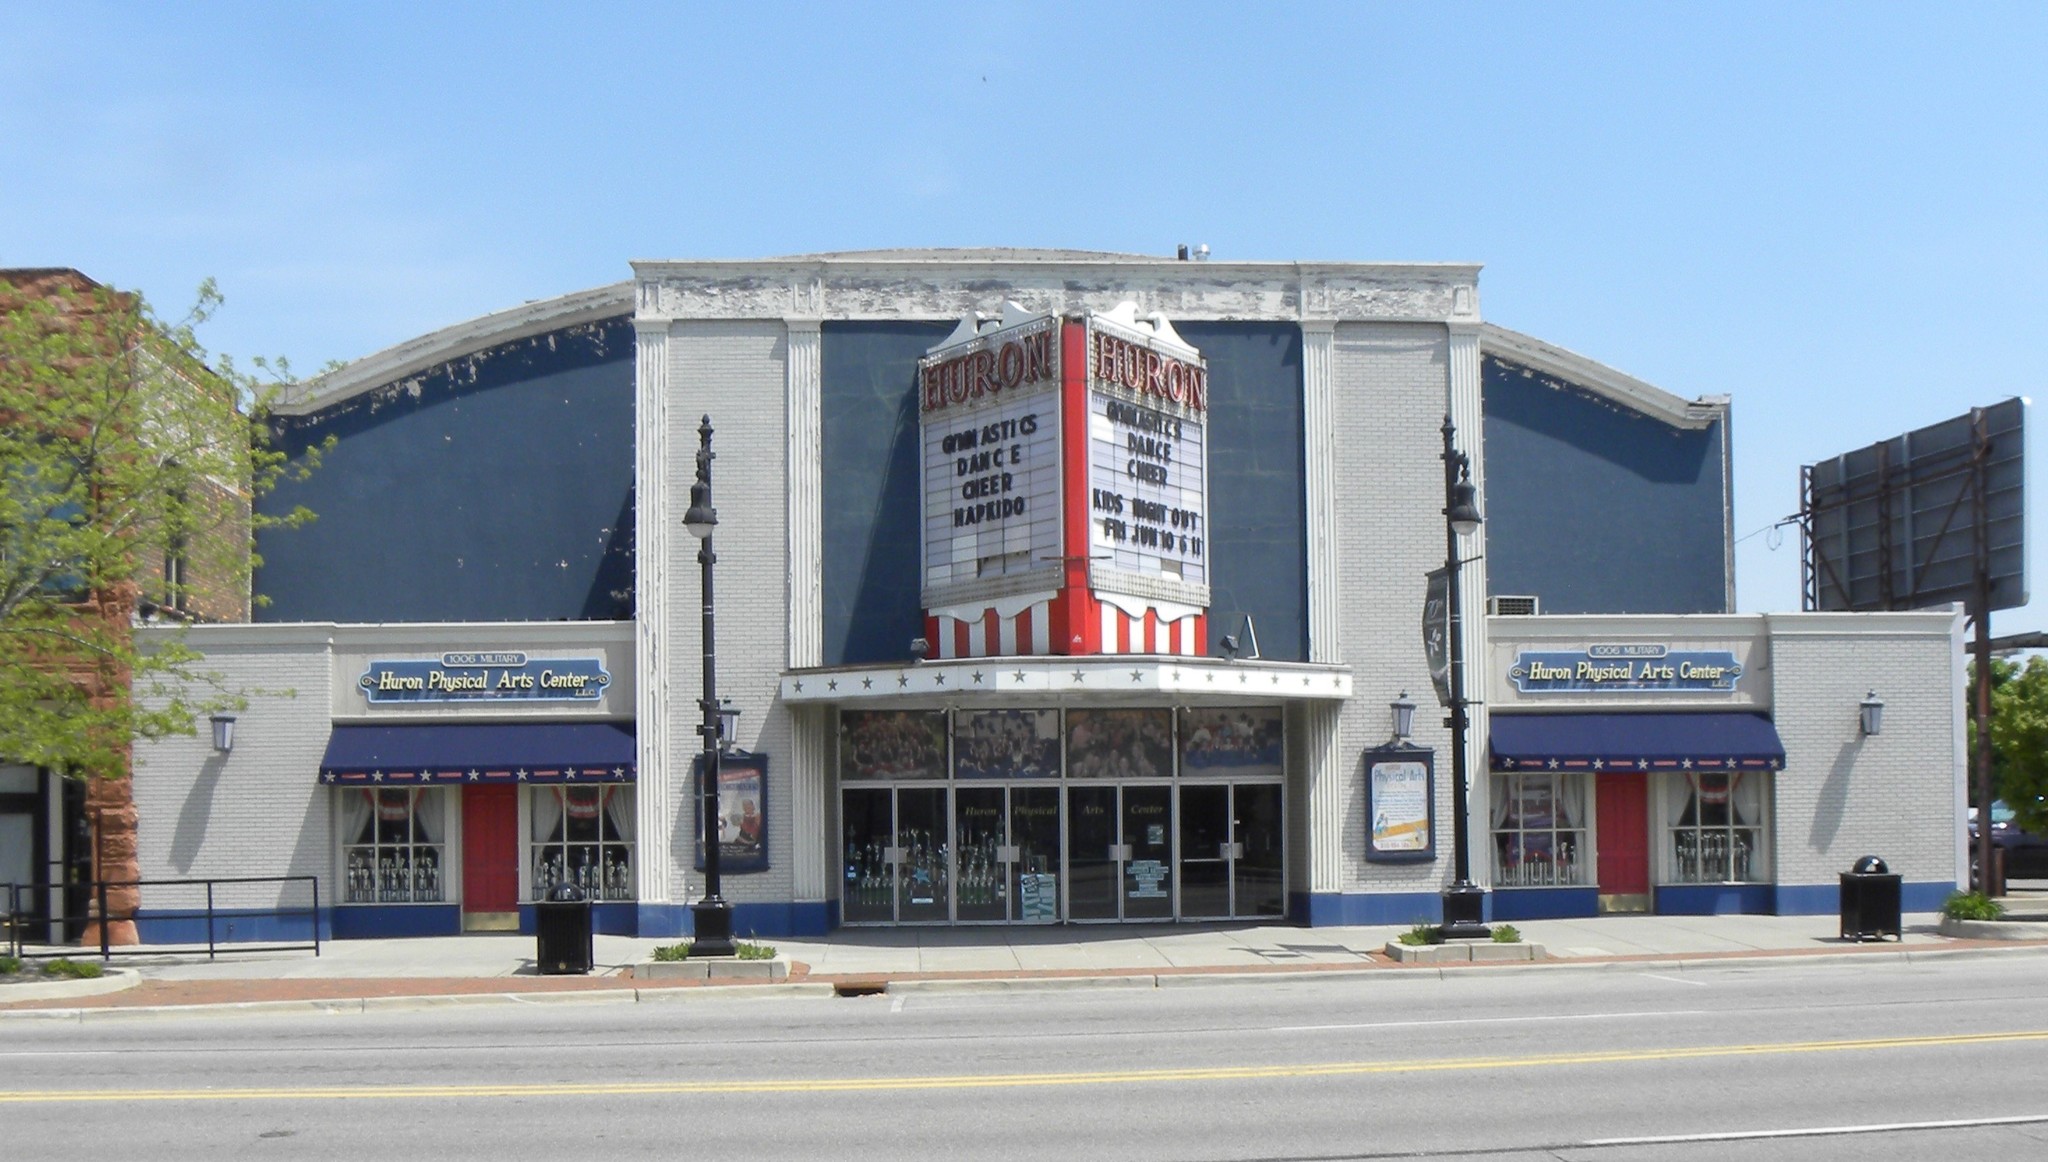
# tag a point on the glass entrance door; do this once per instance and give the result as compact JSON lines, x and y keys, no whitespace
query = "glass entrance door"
{"x":1205,"y":851}
{"x":1259,"y":870}
{"x":1094,"y":853}
{"x":867,"y":822}
{"x":923,"y":873}
{"x":1231,"y":862}
{"x":1148,"y":852}
{"x":979,"y":815}
{"x":1035,"y":854}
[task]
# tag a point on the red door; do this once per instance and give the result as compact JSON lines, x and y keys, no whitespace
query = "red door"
{"x":490,"y":849}
{"x":1621,"y":804}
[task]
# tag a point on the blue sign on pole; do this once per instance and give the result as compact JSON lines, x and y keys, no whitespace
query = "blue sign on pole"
{"x":507,"y":676}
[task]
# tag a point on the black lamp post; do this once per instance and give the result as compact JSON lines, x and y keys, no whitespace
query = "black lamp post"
{"x":1464,"y":902}
{"x":712,"y":915}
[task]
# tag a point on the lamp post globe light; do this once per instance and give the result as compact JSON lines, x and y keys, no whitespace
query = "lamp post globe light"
{"x":711,"y":916}
{"x":1464,"y":902}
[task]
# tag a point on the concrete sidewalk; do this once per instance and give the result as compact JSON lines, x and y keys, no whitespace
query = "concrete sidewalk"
{"x":369,"y":973}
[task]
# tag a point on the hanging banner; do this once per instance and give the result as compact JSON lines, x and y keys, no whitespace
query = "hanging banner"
{"x":1436,"y":633}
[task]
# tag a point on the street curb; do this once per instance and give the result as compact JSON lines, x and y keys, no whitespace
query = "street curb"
{"x":1010,"y":984}
{"x":1993,"y":929}
{"x":940,"y":986}
{"x":110,"y":980}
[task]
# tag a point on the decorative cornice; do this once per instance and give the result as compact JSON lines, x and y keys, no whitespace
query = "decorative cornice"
{"x":870,"y":288}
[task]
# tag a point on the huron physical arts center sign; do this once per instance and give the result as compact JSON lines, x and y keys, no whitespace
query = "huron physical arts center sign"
{"x":1630,"y":668}
{"x":504,"y":676}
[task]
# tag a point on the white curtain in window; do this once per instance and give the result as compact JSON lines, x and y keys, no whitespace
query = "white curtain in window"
{"x":355,"y":815}
{"x":1748,"y":800}
{"x":618,"y":808}
{"x":1571,"y":801}
{"x":428,"y":816}
{"x":1503,"y":798}
{"x":1678,"y":797}
{"x":547,"y":813}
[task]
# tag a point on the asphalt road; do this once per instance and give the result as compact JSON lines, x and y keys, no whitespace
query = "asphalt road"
{"x":1786,"y":1061}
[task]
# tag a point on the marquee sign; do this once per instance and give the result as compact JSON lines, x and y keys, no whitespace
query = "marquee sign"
{"x":1147,"y":460}
{"x":505,"y":676}
{"x":1065,"y":487}
{"x":992,"y":456}
{"x":1625,"y":668}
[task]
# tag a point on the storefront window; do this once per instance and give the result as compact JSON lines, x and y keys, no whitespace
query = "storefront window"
{"x":583,"y":836}
{"x":892,"y":744}
{"x":1006,"y":744}
{"x":394,"y":844}
{"x":1538,"y":830}
{"x":1242,"y":742}
{"x":1119,"y":744}
{"x":1717,"y":828}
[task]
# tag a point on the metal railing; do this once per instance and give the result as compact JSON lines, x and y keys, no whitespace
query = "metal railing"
{"x":219,"y":919}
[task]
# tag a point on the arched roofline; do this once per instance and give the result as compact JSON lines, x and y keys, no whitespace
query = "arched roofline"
{"x":415,"y":356}
{"x":1621,"y":387}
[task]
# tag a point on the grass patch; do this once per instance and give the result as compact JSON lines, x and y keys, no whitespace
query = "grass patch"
{"x":742,"y":949}
{"x":9,"y":965}
{"x":1972,"y":906}
{"x":1422,"y":934}
{"x":75,"y":969}
{"x":1506,"y":934}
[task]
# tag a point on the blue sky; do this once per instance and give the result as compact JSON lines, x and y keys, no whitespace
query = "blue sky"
{"x":1832,"y":213}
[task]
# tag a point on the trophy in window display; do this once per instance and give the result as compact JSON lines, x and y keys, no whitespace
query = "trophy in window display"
{"x":362,"y":876}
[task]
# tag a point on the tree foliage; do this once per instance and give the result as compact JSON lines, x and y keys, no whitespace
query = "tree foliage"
{"x":129,"y":460}
{"x":2019,"y":739}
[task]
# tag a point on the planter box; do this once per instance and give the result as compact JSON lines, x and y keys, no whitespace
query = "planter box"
{"x":712,"y":969}
{"x":1464,"y":952}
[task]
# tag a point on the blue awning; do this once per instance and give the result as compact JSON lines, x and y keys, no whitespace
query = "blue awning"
{"x":521,"y":752}
{"x":1635,"y":742}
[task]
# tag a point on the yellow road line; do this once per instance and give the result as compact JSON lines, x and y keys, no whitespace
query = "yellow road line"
{"x":1006,"y":1080}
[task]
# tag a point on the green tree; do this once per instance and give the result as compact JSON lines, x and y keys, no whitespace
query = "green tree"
{"x":2019,"y":739}
{"x":129,"y":461}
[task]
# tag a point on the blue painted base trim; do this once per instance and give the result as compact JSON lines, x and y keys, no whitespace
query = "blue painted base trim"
{"x":179,"y":926}
{"x":1327,"y":909}
{"x":1826,"y":899}
{"x":373,"y":921}
{"x":614,"y":919}
{"x":661,"y":919}
{"x":749,"y":921}
{"x":791,"y":919}
{"x":1716,"y":900}
{"x":1544,"y":903}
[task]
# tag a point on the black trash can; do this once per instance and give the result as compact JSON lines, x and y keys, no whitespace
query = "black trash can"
{"x":562,"y":923}
{"x":1870,"y":901}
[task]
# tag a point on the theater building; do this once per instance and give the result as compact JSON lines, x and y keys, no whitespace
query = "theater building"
{"x":1052,"y":587}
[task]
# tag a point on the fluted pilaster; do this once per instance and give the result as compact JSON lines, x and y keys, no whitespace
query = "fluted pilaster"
{"x":1466,"y":413}
{"x":656,"y":815}
{"x":1319,"y":463}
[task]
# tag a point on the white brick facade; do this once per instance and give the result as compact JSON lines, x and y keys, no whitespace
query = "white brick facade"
{"x":1387,"y":353}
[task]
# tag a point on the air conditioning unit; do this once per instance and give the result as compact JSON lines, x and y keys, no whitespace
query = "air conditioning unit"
{"x":1524,"y":606}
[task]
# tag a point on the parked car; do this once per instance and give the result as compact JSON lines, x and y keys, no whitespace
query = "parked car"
{"x":2026,"y":854}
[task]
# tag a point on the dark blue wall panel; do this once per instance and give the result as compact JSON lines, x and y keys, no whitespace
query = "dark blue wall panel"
{"x":495,"y":487}
{"x":1258,"y":503}
{"x":868,"y":376}
{"x":871,"y":507}
{"x":1594,"y":508}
